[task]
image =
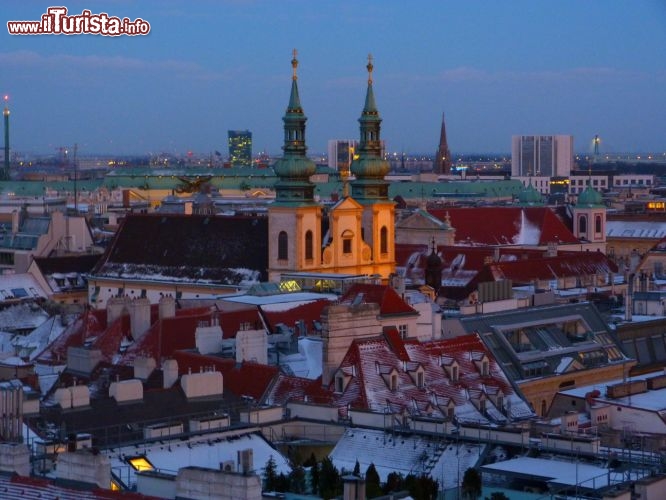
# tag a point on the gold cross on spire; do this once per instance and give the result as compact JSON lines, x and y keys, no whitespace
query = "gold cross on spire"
{"x":294,"y":64}
{"x":370,"y":67}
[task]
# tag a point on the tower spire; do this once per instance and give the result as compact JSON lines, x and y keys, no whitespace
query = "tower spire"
{"x":294,"y":168}
{"x":443,"y":156}
{"x":370,"y":168}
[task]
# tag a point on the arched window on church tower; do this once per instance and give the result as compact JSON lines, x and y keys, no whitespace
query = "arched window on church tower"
{"x":582,"y":224}
{"x":283,"y":246}
{"x":383,"y":240}
{"x":597,"y":224}
{"x":308,"y":245}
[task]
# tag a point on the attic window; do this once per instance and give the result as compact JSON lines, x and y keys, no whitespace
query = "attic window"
{"x":402,"y":329}
{"x":394,"y":382}
{"x":420,"y":379}
{"x":500,"y":402}
{"x":485,"y":368}
{"x":454,"y":373}
{"x":339,"y":384}
{"x":482,"y":405}
{"x":140,"y":463}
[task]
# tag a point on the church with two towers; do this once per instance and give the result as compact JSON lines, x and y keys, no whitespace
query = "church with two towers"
{"x":354,"y":236}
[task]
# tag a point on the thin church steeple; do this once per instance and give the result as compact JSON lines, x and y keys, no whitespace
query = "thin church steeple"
{"x":370,"y":168}
{"x":294,"y":168}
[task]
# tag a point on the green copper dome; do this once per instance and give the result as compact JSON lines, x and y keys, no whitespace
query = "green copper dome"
{"x":530,"y":196}
{"x":590,"y":197}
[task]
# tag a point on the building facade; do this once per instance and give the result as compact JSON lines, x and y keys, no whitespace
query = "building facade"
{"x":240,"y":147}
{"x":541,"y":155}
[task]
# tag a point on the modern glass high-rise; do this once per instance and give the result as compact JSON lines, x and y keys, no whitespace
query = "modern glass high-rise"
{"x":341,"y":153}
{"x":541,"y":155}
{"x":240,"y":147}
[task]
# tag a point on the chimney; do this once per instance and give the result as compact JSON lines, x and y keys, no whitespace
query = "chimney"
{"x":169,"y":372}
{"x":167,"y":307}
{"x":139,"y":317}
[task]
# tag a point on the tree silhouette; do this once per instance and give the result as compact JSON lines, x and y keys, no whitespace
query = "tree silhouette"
{"x":373,"y":487}
{"x":270,"y":475}
{"x":330,"y":482}
{"x":471,"y":484}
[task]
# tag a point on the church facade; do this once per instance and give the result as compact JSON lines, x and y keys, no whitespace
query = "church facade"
{"x":354,"y":236}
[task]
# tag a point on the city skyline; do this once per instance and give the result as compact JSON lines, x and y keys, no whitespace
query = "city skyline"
{"x":205,"y":68}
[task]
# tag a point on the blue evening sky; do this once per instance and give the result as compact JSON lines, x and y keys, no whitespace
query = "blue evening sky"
{"x":496,"y":68}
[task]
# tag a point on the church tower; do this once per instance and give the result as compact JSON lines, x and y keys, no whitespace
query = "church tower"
{"x":294,"y":218}
{"x":589,"y":218}
{"x":443,"y":156}
{"x":370,"y":190}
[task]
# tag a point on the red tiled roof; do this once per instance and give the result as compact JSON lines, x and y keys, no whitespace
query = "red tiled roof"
{"x":307,"y":312}
{"x":90,"y":323}
{"x":571,"y":264}
{"x":369,"y":363}
{"x":390,"y":303}
{"x":248,"y":379}
{"x":289,"y":388}
{"x":503,"y":225}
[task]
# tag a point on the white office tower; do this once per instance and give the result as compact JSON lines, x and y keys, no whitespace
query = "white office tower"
{"x":341,"y":154}
{"x":541,"y":155}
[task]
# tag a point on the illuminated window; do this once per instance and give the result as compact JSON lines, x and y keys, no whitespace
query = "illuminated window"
{"x":308,"y":245}
{"x":283,"y":246}
{"x":140,"y":463}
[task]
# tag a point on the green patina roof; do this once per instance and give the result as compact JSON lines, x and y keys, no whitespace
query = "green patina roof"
{"x":530,"y":196}
{"x":590,"y":197}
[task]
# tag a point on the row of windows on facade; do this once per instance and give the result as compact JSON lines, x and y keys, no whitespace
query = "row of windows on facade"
{"x":347,"y":237}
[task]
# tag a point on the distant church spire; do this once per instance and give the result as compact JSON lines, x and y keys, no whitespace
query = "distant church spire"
{"x":443,"y":156}
{"x":370,"y":168}
{"x":294,"y":168}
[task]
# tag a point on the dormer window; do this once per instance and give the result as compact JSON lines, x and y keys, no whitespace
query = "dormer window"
{"x":485,"y":368}
{"x":402,"y":330}
{"x":454,"y":373}
{"x":482,"y":405}
{"x":500,"y":402}
{"x":394,"y":382}
{"x":339,"y":384}
{"x":420,"y":379}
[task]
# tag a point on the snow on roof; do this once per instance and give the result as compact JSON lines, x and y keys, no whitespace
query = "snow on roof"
{"x":652,"y":400}
{"x":307,"y":363}
{"x":289,"y":299}
{"x":558,"y":471}
{"x":635,"y":229}
{"x":404,"y":454}
{"x":22,"y":317}
{"x":208,"y":451}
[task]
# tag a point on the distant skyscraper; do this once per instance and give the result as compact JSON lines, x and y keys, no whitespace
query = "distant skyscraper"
{"x":443,"y":161}
{"x":341,"y":154}
{"x":541,"y":155}
{"x":240,"y":147}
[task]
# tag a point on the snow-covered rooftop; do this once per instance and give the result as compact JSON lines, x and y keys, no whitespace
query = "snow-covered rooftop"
{"x":404,"y":454}
{"x":208,"y":451}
